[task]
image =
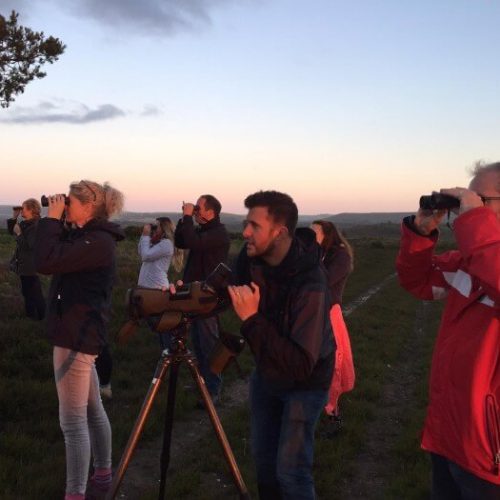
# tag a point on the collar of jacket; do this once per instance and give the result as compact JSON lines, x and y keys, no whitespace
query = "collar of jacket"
{"x":26,"y":223}
{"x":210,"y":224}
{"x":103,"y":225}
{"x":303,"y":255}
{"x":331,"y":253}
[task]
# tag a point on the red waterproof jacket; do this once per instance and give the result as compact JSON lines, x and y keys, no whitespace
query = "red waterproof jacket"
{"x":462,"y":422}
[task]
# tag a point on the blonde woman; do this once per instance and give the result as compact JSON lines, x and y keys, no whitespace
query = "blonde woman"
{"x":82,"y":262}
{"x":157,"y":252}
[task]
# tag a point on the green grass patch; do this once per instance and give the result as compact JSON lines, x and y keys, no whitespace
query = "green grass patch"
{"x":31,"y":443}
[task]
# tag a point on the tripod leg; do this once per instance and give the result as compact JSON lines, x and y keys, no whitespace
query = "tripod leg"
{"x":167,"y":432}
{"x":161,"y":370}
{"x":219,"y":431}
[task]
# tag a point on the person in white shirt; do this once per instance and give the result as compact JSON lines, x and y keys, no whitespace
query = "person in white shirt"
{"x":157,"y":252}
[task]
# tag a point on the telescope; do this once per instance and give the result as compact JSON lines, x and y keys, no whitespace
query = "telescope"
{"x":173,"y":311}
{"x":165,"y":311}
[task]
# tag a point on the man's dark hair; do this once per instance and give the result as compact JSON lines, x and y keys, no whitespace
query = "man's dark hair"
{"x":212,"y":203}
{"x":280,"y":206}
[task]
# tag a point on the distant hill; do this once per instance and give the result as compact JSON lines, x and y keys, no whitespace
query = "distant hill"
{"x":234,"y":221}
{"x":366,"y":219}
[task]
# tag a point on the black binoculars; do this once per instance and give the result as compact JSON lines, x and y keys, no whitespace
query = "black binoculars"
{"x":44,"y":200}
{"x":438,"y":201}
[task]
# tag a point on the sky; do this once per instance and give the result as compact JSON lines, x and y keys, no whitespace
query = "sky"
{"x":348,"y":106}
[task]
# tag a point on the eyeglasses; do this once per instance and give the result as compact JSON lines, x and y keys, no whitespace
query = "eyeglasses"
{"x":196,"y":208}
{"x":486,"y":199}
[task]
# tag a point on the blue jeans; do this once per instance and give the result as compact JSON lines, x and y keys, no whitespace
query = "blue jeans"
{"x":83,"y":420}
{"x":205,"y":334}
{"x":283,"y":424}
{"x":451,"y":482}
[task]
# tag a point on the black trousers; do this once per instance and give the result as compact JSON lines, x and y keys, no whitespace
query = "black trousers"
{"x":104,"y":366}
{"x":451,"y":482}
{"x":34,"y":303}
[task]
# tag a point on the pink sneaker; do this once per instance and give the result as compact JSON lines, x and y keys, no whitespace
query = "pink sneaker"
{"x":98,"y":488}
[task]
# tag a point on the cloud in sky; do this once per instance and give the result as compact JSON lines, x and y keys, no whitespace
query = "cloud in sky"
{"x":153,"y":17}
{"x":150,"y":110}
{"x":49,"y":112}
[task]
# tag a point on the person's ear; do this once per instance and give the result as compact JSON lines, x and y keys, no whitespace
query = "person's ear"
{"x":282,"y":232}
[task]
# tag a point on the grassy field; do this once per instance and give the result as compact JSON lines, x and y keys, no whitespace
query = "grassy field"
{"x":385,"y":343}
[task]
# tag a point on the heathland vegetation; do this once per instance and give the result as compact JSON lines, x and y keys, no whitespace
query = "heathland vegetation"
{"x":376,"y":455}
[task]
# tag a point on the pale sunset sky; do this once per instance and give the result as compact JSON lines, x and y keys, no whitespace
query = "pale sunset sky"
{"x":348,"y":106}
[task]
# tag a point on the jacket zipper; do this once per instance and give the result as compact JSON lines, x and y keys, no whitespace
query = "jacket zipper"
{"x":492,"y":427}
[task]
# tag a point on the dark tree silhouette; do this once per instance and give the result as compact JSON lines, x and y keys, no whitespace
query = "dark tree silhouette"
{"x":22,"y":54}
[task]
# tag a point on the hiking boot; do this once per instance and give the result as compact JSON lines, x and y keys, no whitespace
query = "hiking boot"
{"x":333,"y":426}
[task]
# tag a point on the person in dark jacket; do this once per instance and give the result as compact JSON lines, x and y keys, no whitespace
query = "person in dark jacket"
{"x":337,"y":257}
{"x":208,"y":245}
{"x":22,"y":262}
{"x":284,"y":304}
{"x":82,"y":262}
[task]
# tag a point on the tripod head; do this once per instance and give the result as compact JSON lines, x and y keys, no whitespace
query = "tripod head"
{"x":166,"y":311}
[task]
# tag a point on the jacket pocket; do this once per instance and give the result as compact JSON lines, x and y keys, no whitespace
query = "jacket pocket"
{"x":493,"y":430}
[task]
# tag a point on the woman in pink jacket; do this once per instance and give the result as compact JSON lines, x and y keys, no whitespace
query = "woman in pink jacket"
{"x":338,"y":262}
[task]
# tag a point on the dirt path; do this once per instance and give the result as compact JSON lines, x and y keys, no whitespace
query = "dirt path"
{"x":373,"y":471}
{"x":352,"y":306}
{"x":143,"y":470}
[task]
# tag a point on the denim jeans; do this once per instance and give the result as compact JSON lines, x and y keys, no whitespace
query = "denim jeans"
{"x":451,"y":482}
{"x":83,"y":420}
{"x":283,"y":424}
{"x":205,"y":334}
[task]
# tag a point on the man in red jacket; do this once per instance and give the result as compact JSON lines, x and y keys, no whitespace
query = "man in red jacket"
{"x":462,"y":427}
